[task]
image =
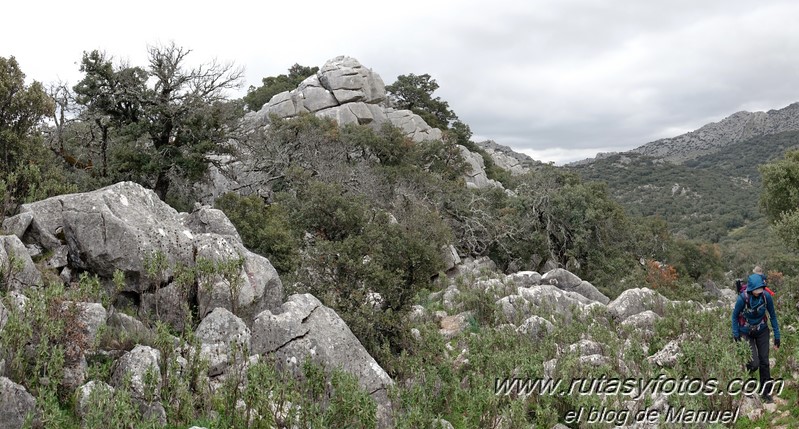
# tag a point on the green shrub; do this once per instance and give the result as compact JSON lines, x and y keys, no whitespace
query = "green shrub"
{"x":264,"y":229}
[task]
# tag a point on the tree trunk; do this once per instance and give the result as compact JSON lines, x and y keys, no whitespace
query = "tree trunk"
{"x":162,"y":185}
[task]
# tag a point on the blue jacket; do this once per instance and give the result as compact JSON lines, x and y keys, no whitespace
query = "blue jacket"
{"x":758,"y":305}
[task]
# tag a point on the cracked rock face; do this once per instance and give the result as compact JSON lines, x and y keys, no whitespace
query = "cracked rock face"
{"x":304,"y":328}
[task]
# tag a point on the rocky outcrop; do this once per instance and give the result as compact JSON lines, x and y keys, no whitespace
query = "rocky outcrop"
{"x":545,"y":299}
{"x":507,"y":159}
{"x":304,"y":328}
{"x":477,"y":177}
{"x":563,"y":279}
{"x":349,"y":93}
{"x":126,"y":227}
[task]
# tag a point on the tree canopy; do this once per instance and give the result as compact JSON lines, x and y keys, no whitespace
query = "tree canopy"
{"x":780,"y":197}
{"x":21,"y":108}
{"x":415,"y":93}
{"x":163,"y":120}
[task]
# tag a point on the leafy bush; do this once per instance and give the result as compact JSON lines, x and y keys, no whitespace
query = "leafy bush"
{"x":264,"y":229}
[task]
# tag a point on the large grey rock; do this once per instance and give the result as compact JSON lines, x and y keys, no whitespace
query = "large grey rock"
{"x":644,"y":320}
{"x":135,"y":364}
{"x":591,"y":292}
{"x":16,"y":404}
{"x":169,"y":304}
{"x":544,"y":299}
{"x":347,"y":74}
{"x":75,"y":373}
{"x":536,"y":327}
{"x":586,"y":347}
{"x":315,"y":97}
{"x":507,"y":159}
{"x":412,"y":125}
{"x":18,"y":225}
{"x":84,"y":393}
{"x":91,"y":316}
{"x":524,"y":278}
{"x":634,"y":301}
{"x":111,"y":228}
{"x":129,"y":327}
{"x":223,"y":335}
{"x":16,"y":264}
{"x":450,"y":257}
{"x":304,"y":328}
{"x":255,"y":287}
{"x":209,"y":220}
{"x":120,"y":227}
{"x":561,"y":278}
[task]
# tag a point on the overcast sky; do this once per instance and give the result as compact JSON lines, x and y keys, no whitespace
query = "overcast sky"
{"x":559,"y":80}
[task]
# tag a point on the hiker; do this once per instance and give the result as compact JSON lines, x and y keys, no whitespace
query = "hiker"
{"x":749,"y":320}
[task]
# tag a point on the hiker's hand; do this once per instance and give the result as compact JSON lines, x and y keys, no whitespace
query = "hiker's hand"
{"x":776,"y":343}
{"x":737,"y":339}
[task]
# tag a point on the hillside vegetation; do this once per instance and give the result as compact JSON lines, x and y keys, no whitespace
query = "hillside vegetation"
{"x":704,"y":198}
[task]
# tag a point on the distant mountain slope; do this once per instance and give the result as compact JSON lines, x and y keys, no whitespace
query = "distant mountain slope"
{"x":715,"y":136}
{"x":705,"y":197}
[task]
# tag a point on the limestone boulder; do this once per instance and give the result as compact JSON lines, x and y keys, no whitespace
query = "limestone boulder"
{"x":135,"y":364}
{"x":644,"y":320}
{"x":16,"y":261}
{"x":88,"y":391}
{"x":16,"y":404}
{"x":634,"y":301}
{"x":477,"y":177}
{"x":303,"y":328}
{"x":248,"y":291}
{"x":536,"y":327}
{"x":223,"y":335}
{"x":123,"y":226}
{"x":91,"y":316}
{"x":209,"y":220}
{"x":544,"y":299}
{"x":563,"y":279}
{"x":450,"y":257}
{"x":349,"y":81}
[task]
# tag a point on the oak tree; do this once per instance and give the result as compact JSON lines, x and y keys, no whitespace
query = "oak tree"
{"x":165,"y":119}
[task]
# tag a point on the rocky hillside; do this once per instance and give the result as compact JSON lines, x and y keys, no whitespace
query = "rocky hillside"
{"x":716,"y":136}
{"x":344,"y":91}
{"x":138,"y":252}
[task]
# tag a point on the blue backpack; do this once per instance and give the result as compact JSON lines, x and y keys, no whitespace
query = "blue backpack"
{"x":742,"y":320}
